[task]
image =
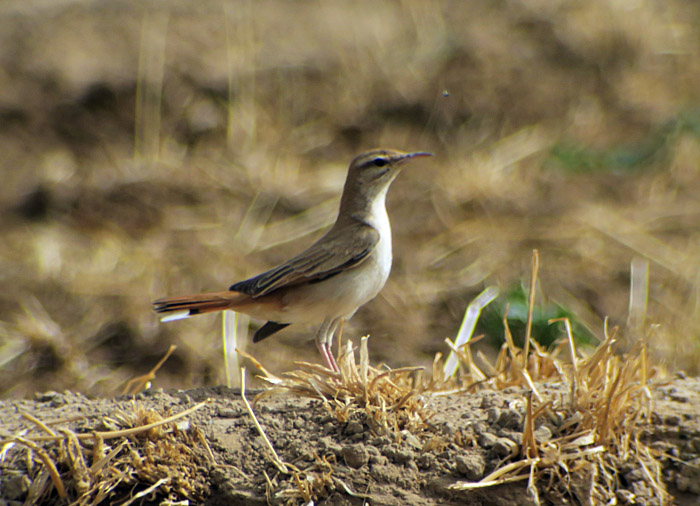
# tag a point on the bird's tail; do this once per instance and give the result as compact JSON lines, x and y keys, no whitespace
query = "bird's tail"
{"x":175,"y":308}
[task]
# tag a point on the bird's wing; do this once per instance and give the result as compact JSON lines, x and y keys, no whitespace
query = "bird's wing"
{"x":329,"y":256}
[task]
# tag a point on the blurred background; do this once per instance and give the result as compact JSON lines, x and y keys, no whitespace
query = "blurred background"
{"x":161,"y":148}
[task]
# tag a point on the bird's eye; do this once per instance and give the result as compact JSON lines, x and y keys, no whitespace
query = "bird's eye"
{"x":380,"y":162}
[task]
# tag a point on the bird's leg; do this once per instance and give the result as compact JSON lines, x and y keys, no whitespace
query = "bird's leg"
{"x":341,"y":324}
{"x":329,"y":342}
{"x":321,"y":343}
{"x":324,"y":338}
{"x":327,"y":356}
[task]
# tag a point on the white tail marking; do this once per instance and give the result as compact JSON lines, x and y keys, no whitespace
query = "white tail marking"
{"x":176,"y":315}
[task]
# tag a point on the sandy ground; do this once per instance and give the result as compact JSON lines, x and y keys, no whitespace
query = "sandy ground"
{"x":352,"y":459}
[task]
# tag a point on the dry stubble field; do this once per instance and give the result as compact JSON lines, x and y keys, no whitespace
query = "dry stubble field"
{"x":151,"y":150}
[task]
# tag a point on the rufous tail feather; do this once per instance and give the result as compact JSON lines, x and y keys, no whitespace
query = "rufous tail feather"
{"x":184,"y":306}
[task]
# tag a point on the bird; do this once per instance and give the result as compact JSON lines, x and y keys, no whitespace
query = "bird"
{"x":327,"y":282}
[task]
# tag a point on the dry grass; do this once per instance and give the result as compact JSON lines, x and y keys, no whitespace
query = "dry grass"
{"x":596,"y":425}
{"x":134,"y":453}
{"x":596,"y":418}
{"x":389,"y":398}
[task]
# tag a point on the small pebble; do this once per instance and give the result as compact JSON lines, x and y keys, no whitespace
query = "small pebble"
{"x":471,"y":466}
{"x":227,"y":413}
{"x":380,"y":460}
{"x":492,"y":415}
{"x":380,"y":441}
{"x":328,"y":445}
{"x":504,"y":447}
{"x":355,"y":456}
{"x":46,"y":396}
{"x":412,"y":440}
{"x":354,"y":428}
{"x":510,"y":419}
{"x":398,"y":455}
{"x":425,"y":461}
{"x":487,"y":440}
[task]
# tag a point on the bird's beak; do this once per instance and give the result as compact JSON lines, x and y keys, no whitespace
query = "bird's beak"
{"x":418,"y":154}
{"x":408,"y":156}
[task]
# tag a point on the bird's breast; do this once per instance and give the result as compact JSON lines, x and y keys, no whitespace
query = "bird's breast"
{"x":382,"y":255}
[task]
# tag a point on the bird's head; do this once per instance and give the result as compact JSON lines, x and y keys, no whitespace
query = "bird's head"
{"x":370,"y":175}
{"x":380,"y":166}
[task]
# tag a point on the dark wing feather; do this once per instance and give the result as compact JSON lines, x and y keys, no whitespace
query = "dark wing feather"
{"x":328,"y":256}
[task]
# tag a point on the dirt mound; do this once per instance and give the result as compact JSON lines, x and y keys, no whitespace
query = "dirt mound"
{"x":330,"y":461}
{"x":159,"y":148}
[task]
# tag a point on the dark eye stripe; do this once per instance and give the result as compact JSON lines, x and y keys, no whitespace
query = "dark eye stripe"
{"x":376,"y":162}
